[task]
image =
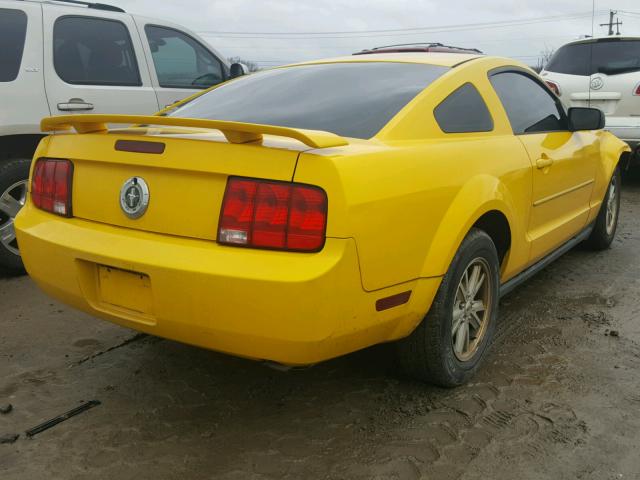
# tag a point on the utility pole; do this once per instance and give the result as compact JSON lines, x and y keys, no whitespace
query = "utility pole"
{"x":611,"y":23}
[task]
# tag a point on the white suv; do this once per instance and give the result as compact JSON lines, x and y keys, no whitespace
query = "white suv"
{"x":603,"y":73}
{"x":69,"y":57}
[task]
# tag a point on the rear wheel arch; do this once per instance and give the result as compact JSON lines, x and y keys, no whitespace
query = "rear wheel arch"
{"x":495,"y":224}
{"x":483,"y":203}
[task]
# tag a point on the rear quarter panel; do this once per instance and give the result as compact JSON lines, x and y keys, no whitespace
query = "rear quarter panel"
{"x":410,"y":207}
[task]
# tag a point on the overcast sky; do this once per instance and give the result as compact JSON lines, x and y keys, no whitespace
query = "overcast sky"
{"x":439,"y":20}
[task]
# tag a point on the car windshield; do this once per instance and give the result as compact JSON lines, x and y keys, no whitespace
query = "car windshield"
{"x":349,"y":99}
{"x":611,"y":57}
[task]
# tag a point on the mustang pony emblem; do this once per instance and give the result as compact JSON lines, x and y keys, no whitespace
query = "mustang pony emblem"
{"x":134,"y":197}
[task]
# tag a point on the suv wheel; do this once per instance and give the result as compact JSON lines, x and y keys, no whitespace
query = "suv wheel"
{"x":13,"y":193}
{"x":448,"y":346}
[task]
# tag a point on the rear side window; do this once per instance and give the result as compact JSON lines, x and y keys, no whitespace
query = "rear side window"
{"x":13,"y":31}
{"x":464,"y":111}
{"x":529,"y":106}
{"x":611,"y":57}
{"x":180,"y":61}
{"x":94,"y":51}
{"x":349,"y":99}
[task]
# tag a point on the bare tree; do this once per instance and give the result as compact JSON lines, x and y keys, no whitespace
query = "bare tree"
{"x":543,"y":59}
{"x":252,"y":66}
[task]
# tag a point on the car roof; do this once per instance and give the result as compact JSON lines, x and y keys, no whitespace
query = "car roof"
{"x":616,"y":38}
{"x":81,"y":4}
{"x":418,"y":47}
{"x":428,"y":58}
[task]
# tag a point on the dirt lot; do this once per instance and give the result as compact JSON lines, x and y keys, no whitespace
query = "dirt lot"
{"x":559,"y":396}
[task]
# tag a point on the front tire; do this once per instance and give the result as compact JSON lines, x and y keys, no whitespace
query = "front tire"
{"x":14,"y":176}
{"x":604,"y":230}
{"x":448,"y":346}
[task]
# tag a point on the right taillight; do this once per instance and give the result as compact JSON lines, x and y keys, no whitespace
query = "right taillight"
{"x":273,"y":215}
{"x":636,"y":91}
{"x":51,"y":185}
{"x":553,"y":86}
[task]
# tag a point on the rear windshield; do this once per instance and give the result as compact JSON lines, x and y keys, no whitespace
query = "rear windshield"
{"x":348,"y":99}
{"x":610,"y":57}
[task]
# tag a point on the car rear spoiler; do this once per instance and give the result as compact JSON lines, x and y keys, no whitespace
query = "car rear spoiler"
{"x":235,"y":132}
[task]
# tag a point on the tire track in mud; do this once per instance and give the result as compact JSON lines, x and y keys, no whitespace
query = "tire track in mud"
{"x":462,"y":423}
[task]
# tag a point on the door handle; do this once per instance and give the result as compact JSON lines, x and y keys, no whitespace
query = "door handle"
{"x":544,"y":162}
{"x":75,"y":104}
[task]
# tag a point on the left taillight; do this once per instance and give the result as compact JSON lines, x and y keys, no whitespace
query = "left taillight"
{"x":51,"y":185}
{"x":555,"y":88}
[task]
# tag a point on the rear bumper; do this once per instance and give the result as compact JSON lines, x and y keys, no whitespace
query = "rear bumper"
{"x":627,"y":134}
{"x":626,"y":129}
{"x":290,"y":308}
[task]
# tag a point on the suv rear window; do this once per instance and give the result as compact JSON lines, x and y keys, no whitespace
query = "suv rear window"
{"x":610,"y":57}
{"x":13,"y":30}
{"x":94,"y":51}
{"x":349,"y":99}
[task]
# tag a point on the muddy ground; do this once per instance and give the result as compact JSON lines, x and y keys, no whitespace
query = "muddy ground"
{"x":559,"y":396}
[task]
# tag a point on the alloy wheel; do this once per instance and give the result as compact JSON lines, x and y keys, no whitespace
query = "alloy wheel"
{"x":472,"y":309}
{"x":11,"y":201}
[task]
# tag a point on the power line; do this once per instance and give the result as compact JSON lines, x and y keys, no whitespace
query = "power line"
{"x":347,"y":46}
{"x":396,"y":32}
{"x":534,"y":19}
{"x":627,"y":12}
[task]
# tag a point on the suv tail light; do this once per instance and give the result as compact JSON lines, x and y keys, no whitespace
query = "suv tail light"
{"x":555,"y":88}
{"x":636,"y":91}
{"x":273,"y":215}
{"x":51,"y":186}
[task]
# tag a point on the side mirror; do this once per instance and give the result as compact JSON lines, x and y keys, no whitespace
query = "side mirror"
{"x":581,"y":118}
{"x":237,"y":70}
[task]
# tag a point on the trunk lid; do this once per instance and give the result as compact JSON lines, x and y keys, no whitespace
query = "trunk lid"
{"x":186,"y":181}
{"x":186,"y":175}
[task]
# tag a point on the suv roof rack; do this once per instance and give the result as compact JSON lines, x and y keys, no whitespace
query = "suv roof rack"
{"x":419,"y":47}
{"x":96,"y":6}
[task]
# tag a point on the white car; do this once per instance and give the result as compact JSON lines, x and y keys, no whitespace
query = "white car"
{"x":72,"y":57}
{"x":603,"y":73}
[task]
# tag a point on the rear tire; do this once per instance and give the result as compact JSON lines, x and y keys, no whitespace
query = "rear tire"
{"x":14,"y":175}
{"x":449,"y":345}
{"x":604,"y":230}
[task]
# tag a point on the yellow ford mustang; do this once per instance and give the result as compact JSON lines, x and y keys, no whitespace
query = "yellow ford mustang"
{"x":309,"y":211}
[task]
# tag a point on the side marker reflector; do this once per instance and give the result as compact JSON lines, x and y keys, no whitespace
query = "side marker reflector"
{"x":392,"y":301}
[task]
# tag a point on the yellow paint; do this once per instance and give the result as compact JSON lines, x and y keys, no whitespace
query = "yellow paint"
{"x":400,"y":204}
